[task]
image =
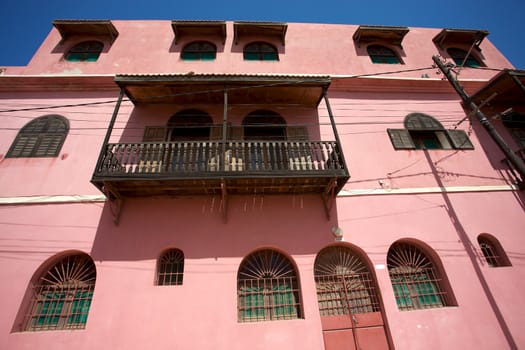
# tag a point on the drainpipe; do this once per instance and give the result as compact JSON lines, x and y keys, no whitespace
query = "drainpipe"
{"x":518,"y":164}
{"x":334,"y":129}
{"x":110,"y":130}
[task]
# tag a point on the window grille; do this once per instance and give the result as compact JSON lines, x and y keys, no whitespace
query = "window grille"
{"x":344,"y":283}
{"x":61,"y":297}
{"x":267,"y":288}
{"x":382,"y":54}
{"x":260,"y":51}
{"x":199,"y":51}
{"x":170,"y":268}
{"x":493,"y":252}
{"x":416,"y":282}
{"x":41,"y":137}
{"x":87,"y":51}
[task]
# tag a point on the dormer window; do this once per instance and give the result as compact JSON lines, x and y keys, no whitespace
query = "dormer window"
{"x":382,"y":54}
{"x":199,"y":51}
{"x":87,"y":51}
{"x":462,"y":58}
{"x":260,"y":51}
{"x":383,"y":34}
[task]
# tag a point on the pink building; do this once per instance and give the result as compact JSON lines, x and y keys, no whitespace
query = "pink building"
{"x":261,"y":185}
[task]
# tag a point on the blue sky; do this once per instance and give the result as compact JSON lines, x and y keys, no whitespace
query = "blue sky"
{"x":25,"y":23}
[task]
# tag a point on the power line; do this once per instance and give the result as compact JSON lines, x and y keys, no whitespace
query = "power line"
{"x":298,"y":81}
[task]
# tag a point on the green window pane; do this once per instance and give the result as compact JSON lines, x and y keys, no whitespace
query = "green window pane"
{"x":208,"y":56}
{"x":402,"y":295}
{"x":251,"y":56}
{"x":269,"y":56}
{"x":190,"y":56}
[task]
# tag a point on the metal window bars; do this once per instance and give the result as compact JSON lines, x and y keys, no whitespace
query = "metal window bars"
{"x":62,"y":297}
{"x":170,"y":269}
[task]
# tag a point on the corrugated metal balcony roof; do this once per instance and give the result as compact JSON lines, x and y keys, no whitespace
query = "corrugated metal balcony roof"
{"x":302,"y":90}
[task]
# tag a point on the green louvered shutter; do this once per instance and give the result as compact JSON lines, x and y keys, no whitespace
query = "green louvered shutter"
{"x":155,"y":133}
{"x":401,"y":139}
{"x":459,"y":139}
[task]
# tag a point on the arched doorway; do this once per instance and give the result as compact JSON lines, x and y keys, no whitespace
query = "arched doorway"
{"x":348,"y":301}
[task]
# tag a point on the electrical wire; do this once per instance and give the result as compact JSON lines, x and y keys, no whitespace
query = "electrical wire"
{"x":298,"y":81}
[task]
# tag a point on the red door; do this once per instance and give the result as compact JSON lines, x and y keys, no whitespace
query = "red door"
{"x":348,"y":302}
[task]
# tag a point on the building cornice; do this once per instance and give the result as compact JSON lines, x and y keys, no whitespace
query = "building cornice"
{"x":71,"y":199}
{"x":42,"y":83}
{"x":400,"y":85}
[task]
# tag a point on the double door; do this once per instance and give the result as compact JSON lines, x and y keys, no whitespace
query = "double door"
{"x":349,"y":306}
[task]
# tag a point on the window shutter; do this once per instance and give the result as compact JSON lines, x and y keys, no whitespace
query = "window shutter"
{"x":49,"y":145}
{"x":296,"y":133}
{"x":23,"y":146}
{"x":216,"y":132}
{"x":155,"y":133}
{"x":236,"y":133}
{"x":459,"y":139}
{"x":401,"y":139}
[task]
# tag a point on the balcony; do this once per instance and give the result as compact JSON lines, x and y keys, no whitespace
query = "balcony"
{"x":210,"y":167}
{"x":253,"y":151}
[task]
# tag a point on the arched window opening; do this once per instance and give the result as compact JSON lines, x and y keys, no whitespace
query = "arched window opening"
{"x":190,"y":125}
{"x":267,"y":288}
{"x":87,"y":51}
{"x":382,"y":54}
{"x":415,"y":279}
{"x":344,"y":283}
{"x":61,"y":296}
{"x":459,"y":55}
{"x":199,"y":51}
{"x":264,"y":125}
{"x":41,"y":137}
{"x":493,"y":252}
{"x":425,"y":132}
{"x":170,"y":268}
{"x":260,"y":51}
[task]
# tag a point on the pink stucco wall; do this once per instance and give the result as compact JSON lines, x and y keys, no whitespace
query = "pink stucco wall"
{"x":149,"y":47}
{"x":391,"y":195}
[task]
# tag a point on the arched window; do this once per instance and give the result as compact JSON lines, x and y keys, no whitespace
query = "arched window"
{"x":458,"y":55}
{"x":416,"y":281}
{"x":425,"y":132}
{"x":492,"y":250}
{"x":41,"y":137}
{"x":199,"y":51}
{"x":264,"y":125}
{"x":61,"y":296}
{"x":260,"y":51}
{"x":87,"y":51}
{"x":190,"y":124}
{"x":344,"y":283}
{"x":170,"y":268}
{"x":382,"y":54}
{"x":267,"y":288}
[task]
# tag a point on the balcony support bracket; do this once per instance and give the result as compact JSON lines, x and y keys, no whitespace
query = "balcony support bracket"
{"x":115,"y":200}
{"x":224,"y":201}
{"x":329,"y":195}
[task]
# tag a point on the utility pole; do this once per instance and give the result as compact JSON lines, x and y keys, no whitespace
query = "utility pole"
{"x":516,"y":161}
